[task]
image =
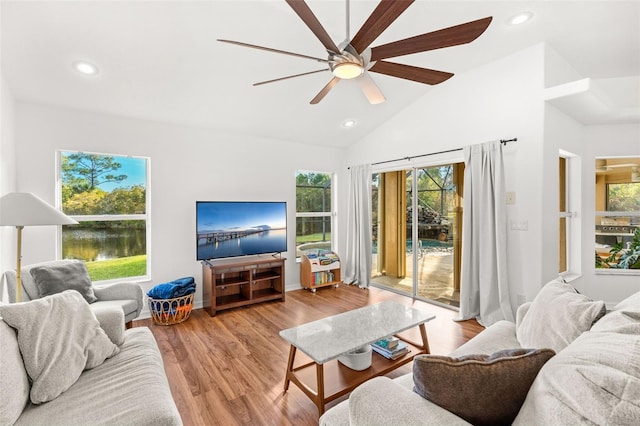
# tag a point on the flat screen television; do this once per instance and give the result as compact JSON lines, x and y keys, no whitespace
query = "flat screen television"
{"x":240,"y":228}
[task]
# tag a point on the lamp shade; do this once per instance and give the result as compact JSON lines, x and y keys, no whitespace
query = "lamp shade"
{"x":26,"y":209}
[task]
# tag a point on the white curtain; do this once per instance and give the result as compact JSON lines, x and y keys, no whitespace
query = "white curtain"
{"x":357,"y":268}
{"x":484,"y":290}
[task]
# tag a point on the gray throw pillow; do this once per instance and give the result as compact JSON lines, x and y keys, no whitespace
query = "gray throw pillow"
{"x":557,"y":316}
{"x":481,"y":389}
{"x":72,"y":275}
{"x":59,"y":337}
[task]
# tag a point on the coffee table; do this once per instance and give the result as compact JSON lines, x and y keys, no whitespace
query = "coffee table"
{"x":326,"y":339}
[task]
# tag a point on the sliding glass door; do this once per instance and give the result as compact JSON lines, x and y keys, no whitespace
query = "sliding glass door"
{"x":417,"y":221}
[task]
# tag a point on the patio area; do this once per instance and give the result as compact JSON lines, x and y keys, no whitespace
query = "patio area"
{"x":435,"y":276}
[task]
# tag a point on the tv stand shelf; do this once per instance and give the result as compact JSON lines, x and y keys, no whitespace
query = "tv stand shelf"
{"x":230,"y":284}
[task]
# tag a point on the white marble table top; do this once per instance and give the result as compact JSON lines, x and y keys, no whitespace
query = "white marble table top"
{"x":330,"y":337}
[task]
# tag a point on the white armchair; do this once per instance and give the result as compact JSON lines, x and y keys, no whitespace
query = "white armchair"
{"x":127,"y":296}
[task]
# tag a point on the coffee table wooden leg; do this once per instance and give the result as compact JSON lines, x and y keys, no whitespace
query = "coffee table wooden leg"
{"x":425,"y":340}
{"x":320,"y":391}
{"x":287,"y":377}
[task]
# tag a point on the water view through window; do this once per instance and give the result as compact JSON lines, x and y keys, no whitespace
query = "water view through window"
{"x":107,"y":195}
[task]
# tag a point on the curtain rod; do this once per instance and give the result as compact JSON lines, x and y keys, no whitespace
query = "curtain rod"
{"x":502,"y":141}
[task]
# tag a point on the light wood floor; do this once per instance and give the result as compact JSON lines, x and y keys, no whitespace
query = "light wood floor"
{"x":229,"y":369}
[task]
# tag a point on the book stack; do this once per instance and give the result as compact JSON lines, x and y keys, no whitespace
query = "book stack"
{"x":390,"y":347}
{"x":322,"y":277}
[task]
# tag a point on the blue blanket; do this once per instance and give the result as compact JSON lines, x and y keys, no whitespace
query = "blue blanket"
{"x":177,"y":288}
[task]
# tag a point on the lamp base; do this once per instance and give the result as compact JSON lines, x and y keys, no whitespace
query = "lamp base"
{"x":19,"y":266}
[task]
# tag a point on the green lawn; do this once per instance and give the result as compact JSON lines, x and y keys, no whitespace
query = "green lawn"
{"x":134,"y":266}
{"x":313,"y":238}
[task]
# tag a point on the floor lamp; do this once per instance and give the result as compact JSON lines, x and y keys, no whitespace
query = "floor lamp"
{"x":22,"y":209}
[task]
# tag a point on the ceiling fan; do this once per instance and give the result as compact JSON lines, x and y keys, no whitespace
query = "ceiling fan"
{"x":354,"y":59}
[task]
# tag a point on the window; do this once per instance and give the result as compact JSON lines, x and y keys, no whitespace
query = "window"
{"x":569,"y":264}
{"x":314,"y":214}
{"x":617,"y":207}
{"x":108,"y":196}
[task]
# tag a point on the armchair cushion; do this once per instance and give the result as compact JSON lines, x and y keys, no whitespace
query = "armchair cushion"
{"x":126,"y":295}
{"x":59,"y":337}
{"x":71,"y":275}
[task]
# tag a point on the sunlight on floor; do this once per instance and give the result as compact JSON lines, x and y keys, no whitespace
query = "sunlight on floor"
{"x":435,"y":277}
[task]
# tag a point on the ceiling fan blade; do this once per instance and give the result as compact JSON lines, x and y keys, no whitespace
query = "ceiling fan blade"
{"x":290,"y":76}
{"x":370,"y":89}
{"x":409,"y":72}
{"x":325,"y":90}
{"x":447,"y":37}
{"x":383,"y":16}
{"x":268,"y":49}
{"x":305,"y":13}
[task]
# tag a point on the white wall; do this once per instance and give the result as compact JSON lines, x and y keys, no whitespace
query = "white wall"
{"x":501,"y":100}
{"x":588,"y":142}
{"x":561,"y":133}
{"x":7,"y":175}
{"x":187,"y":164}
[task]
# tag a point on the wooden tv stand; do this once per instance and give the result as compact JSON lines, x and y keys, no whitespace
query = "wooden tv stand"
{"x":232,"y":283}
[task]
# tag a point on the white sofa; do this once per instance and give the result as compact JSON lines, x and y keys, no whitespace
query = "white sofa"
{"x":594,"y":378}
{"x":128,"y":388}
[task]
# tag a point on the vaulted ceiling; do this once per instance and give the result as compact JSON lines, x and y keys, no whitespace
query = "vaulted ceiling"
{"x":161,"y":61}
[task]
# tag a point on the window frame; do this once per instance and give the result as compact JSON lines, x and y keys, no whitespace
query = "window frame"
{"x":108,"y":217}
{"x":436,"y":160}
{"x":332,"y":214}
{"x":631,"y":215}
{"x":571,"y":215}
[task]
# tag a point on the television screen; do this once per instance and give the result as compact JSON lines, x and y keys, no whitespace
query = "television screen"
{"x":240,"y":228}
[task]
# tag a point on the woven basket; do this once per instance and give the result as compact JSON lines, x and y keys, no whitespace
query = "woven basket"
{"x":171,"y":311}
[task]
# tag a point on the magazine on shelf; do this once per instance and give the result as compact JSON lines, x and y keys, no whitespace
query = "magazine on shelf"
{"x":396,"y":353}
{"x":389,"y":343}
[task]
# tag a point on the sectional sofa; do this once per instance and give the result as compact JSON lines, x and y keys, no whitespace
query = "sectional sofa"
{"x":565,"y":361}
{"x":63,"y":363}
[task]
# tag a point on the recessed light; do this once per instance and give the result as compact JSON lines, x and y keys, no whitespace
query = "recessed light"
{"x":85,"y":68}
{"x":520,"y":18}
{"x":349,"y":123}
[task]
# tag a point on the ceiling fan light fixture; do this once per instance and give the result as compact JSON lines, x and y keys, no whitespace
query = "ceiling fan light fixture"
{"x":347,"y":70}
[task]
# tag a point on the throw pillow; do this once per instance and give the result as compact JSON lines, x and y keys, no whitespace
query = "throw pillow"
{"x":59,"y":337}
{"x":557,"y":316}
{"x":481,"y":389}
{"x":72,"y":275}
{"x":14,"y":386}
